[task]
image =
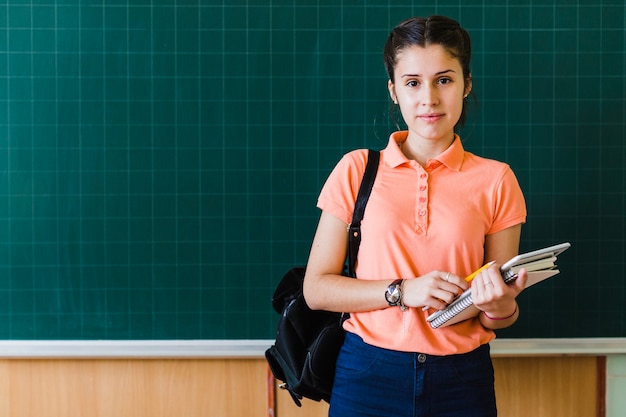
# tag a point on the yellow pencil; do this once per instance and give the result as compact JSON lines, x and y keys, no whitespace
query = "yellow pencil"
{"x":471,"y":276}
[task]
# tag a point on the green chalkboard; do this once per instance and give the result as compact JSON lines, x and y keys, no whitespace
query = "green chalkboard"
{"x":160,"y":160}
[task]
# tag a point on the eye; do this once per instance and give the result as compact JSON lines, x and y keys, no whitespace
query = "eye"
{"x":444,"y":80}
{"x":412,"y":83}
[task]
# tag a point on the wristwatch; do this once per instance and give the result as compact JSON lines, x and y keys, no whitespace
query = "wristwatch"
{"x":393,"y":294}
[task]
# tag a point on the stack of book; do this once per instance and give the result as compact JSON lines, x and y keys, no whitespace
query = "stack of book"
{"x":539,"y":264}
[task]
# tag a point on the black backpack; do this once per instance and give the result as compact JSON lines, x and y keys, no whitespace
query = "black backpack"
{"x":307,"y":344}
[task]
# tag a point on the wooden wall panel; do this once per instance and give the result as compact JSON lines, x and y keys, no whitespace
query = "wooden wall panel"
{"x":548,"y":386}
{"x":525,"y":387}
{"x":132,"y":388}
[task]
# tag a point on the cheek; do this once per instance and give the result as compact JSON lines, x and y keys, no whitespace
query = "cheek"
{"x":456,"y":105}
{"x":407,"y":110}
{"x":408,"y":101}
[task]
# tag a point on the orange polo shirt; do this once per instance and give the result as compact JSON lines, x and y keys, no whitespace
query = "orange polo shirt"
{"x":419,"y":219}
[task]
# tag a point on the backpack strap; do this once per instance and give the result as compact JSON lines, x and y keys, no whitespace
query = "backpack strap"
{"x":354,"y":231}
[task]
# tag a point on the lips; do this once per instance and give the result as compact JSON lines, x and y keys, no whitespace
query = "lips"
{"x":431,"y":117}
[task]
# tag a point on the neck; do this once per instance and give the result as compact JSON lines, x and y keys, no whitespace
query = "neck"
{"x":423,"y":150}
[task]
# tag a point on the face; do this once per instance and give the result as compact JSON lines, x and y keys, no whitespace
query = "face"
{"x":429,"y":88}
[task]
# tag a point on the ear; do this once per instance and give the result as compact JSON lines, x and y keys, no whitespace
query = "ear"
{"x":392,"y":91}
{"x":468,"y":86}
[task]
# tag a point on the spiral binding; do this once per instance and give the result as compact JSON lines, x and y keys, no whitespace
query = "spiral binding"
{"x":453,"y":309}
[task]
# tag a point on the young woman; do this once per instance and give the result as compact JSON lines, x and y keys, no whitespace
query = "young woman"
{"x":436,"y":213}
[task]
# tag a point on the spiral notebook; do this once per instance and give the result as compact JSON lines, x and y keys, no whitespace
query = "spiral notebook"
{"x":540,"y":265}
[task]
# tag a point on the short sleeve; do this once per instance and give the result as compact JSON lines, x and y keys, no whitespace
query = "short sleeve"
{"x":510,"y":206}
{"x":341,"y":187}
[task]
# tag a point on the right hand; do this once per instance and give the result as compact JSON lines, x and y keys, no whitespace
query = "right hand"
{"x":436,"y":290}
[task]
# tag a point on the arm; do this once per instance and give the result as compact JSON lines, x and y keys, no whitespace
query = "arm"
{"x":490,"y":293}
{"x":324,"y":287}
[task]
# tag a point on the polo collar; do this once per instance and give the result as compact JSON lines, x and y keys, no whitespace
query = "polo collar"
{"x":451,"y":157}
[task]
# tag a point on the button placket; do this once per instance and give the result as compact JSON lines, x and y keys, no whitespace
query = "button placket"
{"x":422,"y":203}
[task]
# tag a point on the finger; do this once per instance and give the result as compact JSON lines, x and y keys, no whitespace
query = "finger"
{"x":455,"y":280}
{"x":480,"y":286}
{"x":522,"y":278}
{"x":492,"y":278}
{"x":446,"y":295}
{"x":447,"y":291}
{"x":436,"y":304}
{"x":487,"y":283}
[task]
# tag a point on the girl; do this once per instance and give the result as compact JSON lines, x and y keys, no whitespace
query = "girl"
{"x":436,"y":213}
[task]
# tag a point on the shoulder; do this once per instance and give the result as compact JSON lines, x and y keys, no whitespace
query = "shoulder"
{"x":340,"y":189}
{"x":486,"y":166}
{"x":481,"y":161}
{"x":356,"y":158}
{"x":493,"y":176}
{"x":352,"y":165}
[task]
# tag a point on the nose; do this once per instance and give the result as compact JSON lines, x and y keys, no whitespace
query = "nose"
{"x":429,"y":95}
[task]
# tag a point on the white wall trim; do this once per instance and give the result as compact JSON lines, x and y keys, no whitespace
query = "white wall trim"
{"x":139,"y":349}
{"x":548,"y":347}
{"x":256,"y":348}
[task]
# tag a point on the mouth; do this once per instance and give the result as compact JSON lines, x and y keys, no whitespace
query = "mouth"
{"x":431,"y":117}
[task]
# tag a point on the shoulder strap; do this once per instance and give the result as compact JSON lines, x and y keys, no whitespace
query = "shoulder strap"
{"x":354,"y":231}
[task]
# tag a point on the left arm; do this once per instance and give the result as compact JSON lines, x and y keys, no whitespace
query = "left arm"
{"x":490,"y":293}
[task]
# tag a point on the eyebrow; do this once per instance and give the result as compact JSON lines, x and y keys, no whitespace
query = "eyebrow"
{"x":436,"y":74}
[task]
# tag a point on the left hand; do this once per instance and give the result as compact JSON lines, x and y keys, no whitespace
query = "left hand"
{"x":493,"y":296}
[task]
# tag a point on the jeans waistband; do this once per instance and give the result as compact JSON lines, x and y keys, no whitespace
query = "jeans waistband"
{"x":356,"y":342}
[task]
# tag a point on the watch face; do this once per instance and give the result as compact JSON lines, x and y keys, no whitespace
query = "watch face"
{"x":393,"y":294}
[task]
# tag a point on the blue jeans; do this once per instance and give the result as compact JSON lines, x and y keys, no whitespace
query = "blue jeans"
{"x":376,"y":382}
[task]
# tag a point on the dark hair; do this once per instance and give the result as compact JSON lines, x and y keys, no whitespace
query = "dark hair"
{"x":433,"y":30}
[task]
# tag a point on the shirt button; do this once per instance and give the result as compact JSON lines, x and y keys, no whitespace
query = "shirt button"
{"x":422,"y":199}
{"x":422,"y":176}
{"x":423,"y":188}
{"x":422,"y":212}
{"x":421,"y":358}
